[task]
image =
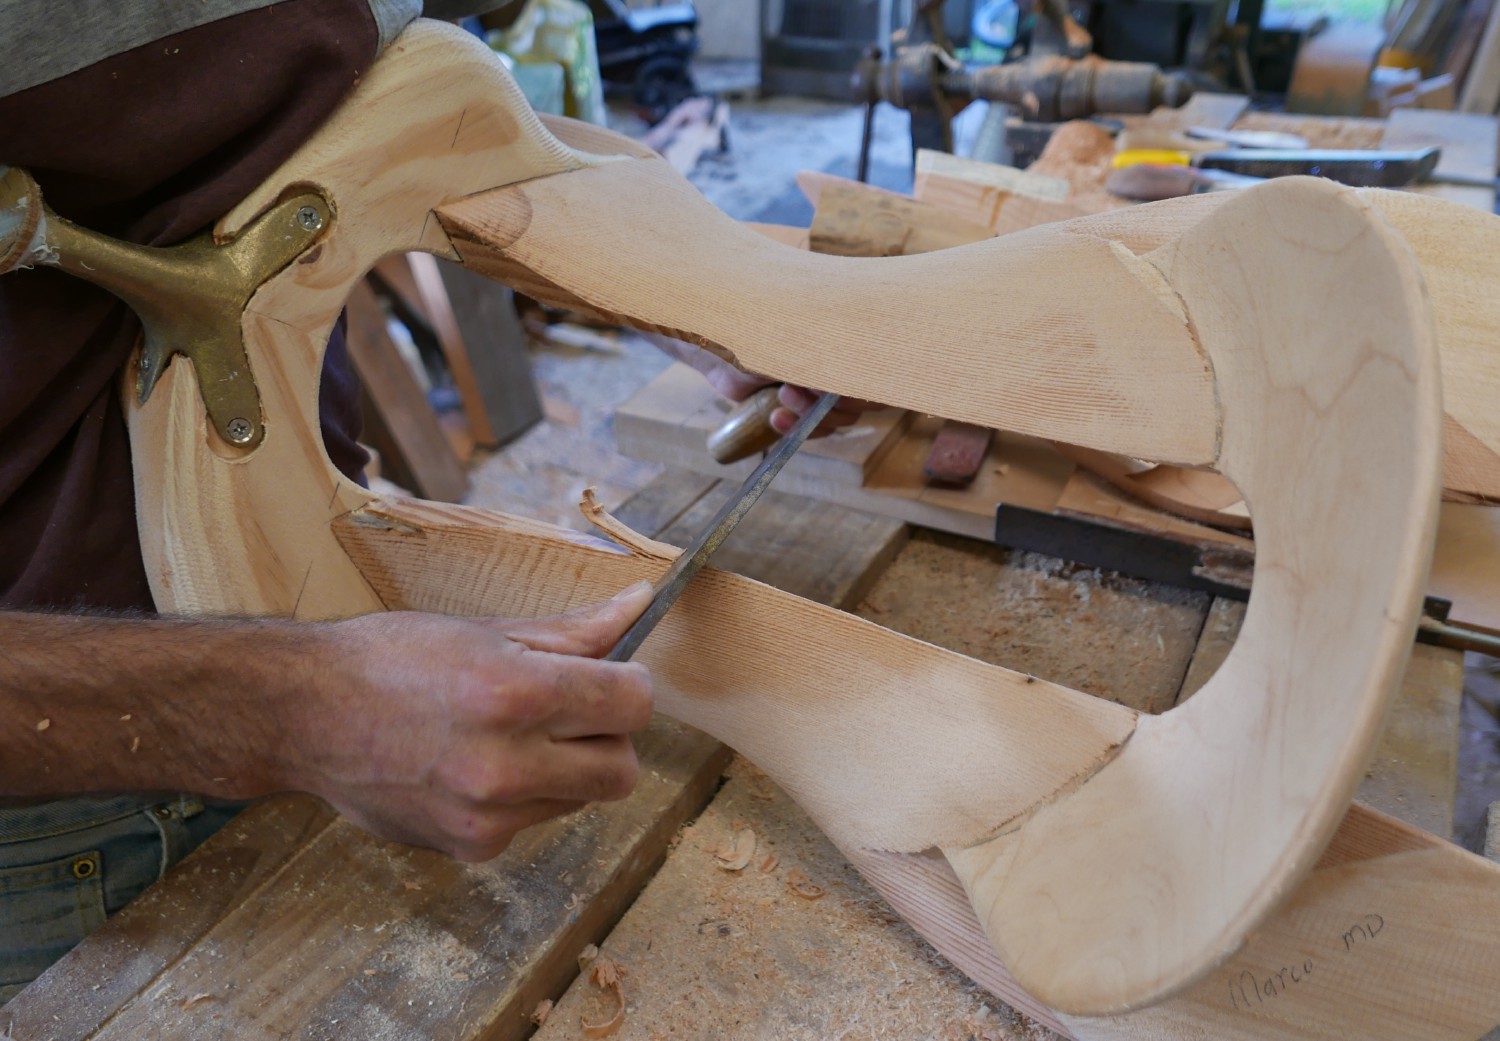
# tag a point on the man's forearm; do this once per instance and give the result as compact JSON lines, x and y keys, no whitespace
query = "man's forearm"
{"x":110,"y":704}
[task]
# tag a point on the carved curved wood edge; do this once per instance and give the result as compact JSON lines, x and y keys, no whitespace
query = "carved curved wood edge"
{"x":928,"y":743}
{"x":1458,"y":251}
{"x":1314,"y":314}
{"x":1122,"y":366}
{"x":1395,"y":934}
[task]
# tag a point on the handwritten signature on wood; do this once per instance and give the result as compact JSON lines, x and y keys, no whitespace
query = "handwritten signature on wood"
{"x":1248,"y":989}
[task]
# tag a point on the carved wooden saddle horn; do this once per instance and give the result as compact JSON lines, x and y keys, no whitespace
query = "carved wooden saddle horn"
{"x":1113,"y":860}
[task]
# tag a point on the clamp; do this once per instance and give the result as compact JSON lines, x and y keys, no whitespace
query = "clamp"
{"x":189,"y":297}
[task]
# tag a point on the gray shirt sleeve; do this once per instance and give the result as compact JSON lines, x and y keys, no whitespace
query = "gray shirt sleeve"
{"x":45,"y":39}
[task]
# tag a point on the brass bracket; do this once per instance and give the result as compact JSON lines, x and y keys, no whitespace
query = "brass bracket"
{"x":189,"y":297}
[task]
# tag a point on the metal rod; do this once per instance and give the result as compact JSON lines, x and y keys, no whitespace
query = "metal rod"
{"x":670,"y":586}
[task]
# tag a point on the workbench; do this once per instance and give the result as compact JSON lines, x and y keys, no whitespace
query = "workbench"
{"x":293,"y":923}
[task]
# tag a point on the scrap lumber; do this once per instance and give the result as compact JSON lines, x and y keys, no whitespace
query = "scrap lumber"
{"x":401,"y":425}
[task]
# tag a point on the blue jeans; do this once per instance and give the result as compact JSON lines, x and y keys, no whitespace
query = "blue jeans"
{"x":65,"y":865}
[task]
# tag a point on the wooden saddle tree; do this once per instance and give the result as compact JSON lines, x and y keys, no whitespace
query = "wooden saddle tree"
{"x":1103,"y":861}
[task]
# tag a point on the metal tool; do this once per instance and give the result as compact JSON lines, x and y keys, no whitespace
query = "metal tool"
{"x":189,"y":297}
{"x":670,"y":586}
{"x":1356,"y":167}
{"x":923,"y":77}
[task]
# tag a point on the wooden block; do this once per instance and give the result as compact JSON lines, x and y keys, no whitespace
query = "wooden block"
{"x":95,"y":981}
{"x":287,"y":926}
{"x":853,"y":221}
{"x":497,"y":350}
{"x":1466,"y":563}
{"x":400,"y":423}
{"x":1469,"y":148}
{"x":957,"y":453}
{"x":1204,"y":109}
{"x":1332,"y":75}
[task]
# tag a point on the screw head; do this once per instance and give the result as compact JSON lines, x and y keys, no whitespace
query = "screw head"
{"x":240,"y":430}
{"x":309,"y":218}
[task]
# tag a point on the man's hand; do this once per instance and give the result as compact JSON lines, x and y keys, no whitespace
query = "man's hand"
{"x":453,"y":733}
{"x":458,"y":733}
{"x":737,"y":385}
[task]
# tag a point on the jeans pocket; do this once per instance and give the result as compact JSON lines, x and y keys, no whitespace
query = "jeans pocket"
{"x":45,"y":910}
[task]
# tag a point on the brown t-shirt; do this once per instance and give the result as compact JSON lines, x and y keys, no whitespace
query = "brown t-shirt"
{"x":151,"y":145}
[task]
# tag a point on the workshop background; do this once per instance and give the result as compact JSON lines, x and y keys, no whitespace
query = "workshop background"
{"x":723,"y":912}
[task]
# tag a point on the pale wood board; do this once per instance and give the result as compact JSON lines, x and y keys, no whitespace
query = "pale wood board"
{"x":1469,"y":144}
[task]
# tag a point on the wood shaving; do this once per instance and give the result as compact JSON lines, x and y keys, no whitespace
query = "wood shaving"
{"x":738,"y":856}
{"x":125,"y":718}
{"x":622,"y":533}
{"x":197,"y":999}
{"x":413,"y":885}
{"x":769,"y":864}
{"x":586,"y":957}
{"x":606,"y":975}
{"x":43,"y":725}
{"x":462,"y":976}
{"x":541,"y":1012}
{"x":135,"y":744}
{"x":798,"y":882}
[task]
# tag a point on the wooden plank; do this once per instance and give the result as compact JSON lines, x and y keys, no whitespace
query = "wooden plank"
{"x":825,"y":553}
{"x":497,"y":351}
{"x":428,"y":282}
{"x":1469,"y":144}
{"x":667,"y":497}
{"x":1332,"y":74}
{"x":96,"y":980}
{"x":1481,"y":88}
{"x":347,"y":936}
{"x":1466,"y":563}
{"x":712,"y":954}
{"x":414,"y":451}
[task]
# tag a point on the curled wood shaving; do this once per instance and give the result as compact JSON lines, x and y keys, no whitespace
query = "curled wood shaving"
{"x":625,"y":535}
{"x":798,"y":882}
{"x":197,"y":999}
{"x":541,"y":1012}
{"x":769,"y":864}
{"x":738,"y":856}
{"x":606,"y":974}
